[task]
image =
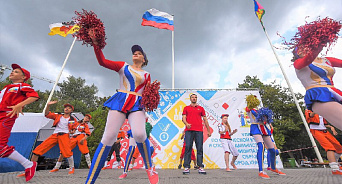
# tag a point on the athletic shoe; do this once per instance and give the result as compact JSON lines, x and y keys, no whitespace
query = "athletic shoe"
{"x":278,"y":172}
{"x":152,"y":175}
{"x":263,"y":175}
{"x":201,"y":171}
{"x":20,"y":175}
{"x":337,"y":172}
{"x":268,"y":168}
{"x":29,"y":172}
{"x":340,"y":167}
{"x":123,"y":176}
{"x":228,"y":170}
{"x":186,"y":171}
{"x":54,"y":170}
{"x":71,"y":170}
{"x":196,"y":167}
{"x":179,"y":166}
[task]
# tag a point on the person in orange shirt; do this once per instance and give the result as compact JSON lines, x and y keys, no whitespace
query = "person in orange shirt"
{"x":333,"y":148}
{"x":64,"y":123}
{"x":79,"y":137}
{"x":115,"y":148}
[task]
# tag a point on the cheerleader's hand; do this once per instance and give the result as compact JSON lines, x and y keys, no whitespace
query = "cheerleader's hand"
{"x":92,"y":35}
{"x":234,"y":131}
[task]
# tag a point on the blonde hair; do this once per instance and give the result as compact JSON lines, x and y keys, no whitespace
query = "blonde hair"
{"x":229,"y":129}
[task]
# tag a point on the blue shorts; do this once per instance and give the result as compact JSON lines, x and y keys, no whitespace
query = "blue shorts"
{"x":322,"y":94}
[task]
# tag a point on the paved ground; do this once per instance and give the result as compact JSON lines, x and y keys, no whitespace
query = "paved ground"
{"x":172,"y":176}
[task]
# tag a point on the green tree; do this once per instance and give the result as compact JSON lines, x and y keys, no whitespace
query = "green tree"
{"x":75,"y":90}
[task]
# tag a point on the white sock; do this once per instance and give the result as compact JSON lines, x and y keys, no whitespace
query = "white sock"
{"x":58,"y":165}
{"x":87,"y":157}
{"x":16,"y":156}
{"x":334,"y":166}
{"x":71,"y":161}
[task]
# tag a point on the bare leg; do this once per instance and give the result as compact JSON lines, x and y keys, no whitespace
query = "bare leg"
{"x":226,"y":160}
{"x":331,"y":111}
{"x":34,"y":158}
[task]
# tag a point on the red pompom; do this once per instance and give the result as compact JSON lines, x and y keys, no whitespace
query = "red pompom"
{"x":150,"y":96}
{"x":88,"y":20}
{"x":315,"y":35}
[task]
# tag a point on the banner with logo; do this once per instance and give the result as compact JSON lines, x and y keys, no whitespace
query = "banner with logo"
{"x":168,"y":128}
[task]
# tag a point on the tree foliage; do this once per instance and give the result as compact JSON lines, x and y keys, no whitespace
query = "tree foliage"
{"x":76,"y":91}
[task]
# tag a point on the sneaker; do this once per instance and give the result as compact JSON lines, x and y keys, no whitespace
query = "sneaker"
{"x":234,"y":166}
{"x":340,"y":167}
{"x":186,"y":171}
{"x":152,"y":175}
{"x":54,"y":170}
{"x":123,"y":176}
{"x":20,"y":175}
{"x":179,"y":166}
{"x":337,"y":172}
{"x":228,"y":170}
{"x":71,"y":170}
{"x":196,"y":167}
{"x":263,"y":175}
{"x":268,"y":168}
{"x":278,"y":172}
{"x":29,"y":172}
{"x":201,"y":171}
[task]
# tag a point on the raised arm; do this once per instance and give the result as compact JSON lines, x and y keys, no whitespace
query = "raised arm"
{"x":113,"y":65}
{"x":335,"y":62}
{"x":306,"y":60}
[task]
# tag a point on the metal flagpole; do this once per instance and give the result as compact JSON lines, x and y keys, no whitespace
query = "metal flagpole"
{"x":173,"y":60}
{"x":296,"y":101}
{"x":60,"y":73}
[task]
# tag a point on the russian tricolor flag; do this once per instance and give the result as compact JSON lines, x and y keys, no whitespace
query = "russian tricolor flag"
{"x":158,"y":19}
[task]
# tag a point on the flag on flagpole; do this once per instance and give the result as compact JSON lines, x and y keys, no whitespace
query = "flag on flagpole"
{"x":259,"y":12}
{"x":63,"y":29}
{"x":158,"y":19}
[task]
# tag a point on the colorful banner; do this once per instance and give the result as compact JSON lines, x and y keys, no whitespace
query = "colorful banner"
{"x":168,"y":127}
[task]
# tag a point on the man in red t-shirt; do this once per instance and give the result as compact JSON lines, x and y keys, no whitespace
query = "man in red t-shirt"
{"x":13,"y":98}
{"x":192,"y":118}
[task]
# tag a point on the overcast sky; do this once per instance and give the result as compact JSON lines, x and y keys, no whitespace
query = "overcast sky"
{"x":217,"y":42}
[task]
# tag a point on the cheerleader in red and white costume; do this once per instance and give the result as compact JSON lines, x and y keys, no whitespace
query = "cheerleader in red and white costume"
{"x":316,"y":73}
{"x":124,"y":104}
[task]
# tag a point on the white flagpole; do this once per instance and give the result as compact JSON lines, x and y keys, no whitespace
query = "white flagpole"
{"x":173,"y":60}
{"x":60,"y":73}
{"x":296,"y":102}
